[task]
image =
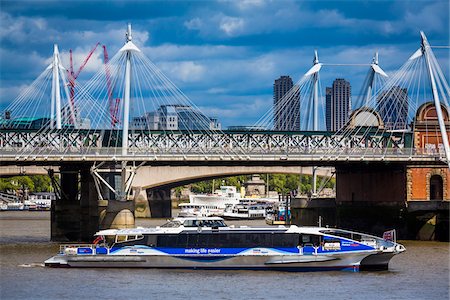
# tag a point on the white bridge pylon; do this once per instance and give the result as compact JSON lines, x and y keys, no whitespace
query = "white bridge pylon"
{"x":59,"y":73}
{"x":313,"y":75}
{"x":128,"y":48}
{"x":436,"y":76}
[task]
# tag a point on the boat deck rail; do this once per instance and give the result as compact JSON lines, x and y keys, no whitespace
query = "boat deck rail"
{"x":63,"y":249}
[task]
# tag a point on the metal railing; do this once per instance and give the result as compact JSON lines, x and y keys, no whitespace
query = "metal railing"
{"x":255,"y":154}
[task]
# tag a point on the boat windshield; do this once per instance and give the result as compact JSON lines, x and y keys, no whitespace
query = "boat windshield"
{"x":204,"y":223}
{"x":172,"y":224}
{"x":342,"y":233}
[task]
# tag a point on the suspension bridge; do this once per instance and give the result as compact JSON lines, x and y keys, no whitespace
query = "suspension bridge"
{"x":137,"y":84}
{"x":88,"y":130}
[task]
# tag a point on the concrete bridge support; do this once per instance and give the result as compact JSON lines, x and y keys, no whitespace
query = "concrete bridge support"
{"x":114,"y":212}
{"x":308,"y":212}
{"x":74,"y":215}
{"x":66,"y":211}
{"x":159,"y":202}
{"x":371,"y":198}
{"x":89,"y":208}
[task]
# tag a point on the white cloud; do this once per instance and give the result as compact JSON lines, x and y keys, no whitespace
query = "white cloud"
{"x":173,"y":52}
{"x":232,"y":26}
{"x":249,"y":4}
{"x":194,"y":24}
{"x":23,"y":29}
{"x":79,"y":55}
{"x":186,"y":71}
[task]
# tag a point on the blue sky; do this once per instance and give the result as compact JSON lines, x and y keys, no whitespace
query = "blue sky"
{"x":224,"y":55}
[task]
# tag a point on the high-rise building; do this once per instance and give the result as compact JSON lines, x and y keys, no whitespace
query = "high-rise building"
{"x":328,"y":92}
{"x":286,"y":105}
{"x":393,"y":107}
{"x":338,"y":104}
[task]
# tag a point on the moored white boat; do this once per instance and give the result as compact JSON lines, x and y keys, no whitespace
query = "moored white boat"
{"x":200,"y":210}
{"x":246,"y":211}
{"x":207,"y":243}
{"x":226,"y":195}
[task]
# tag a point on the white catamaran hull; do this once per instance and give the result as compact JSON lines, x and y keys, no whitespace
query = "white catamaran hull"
{"x":349,"y":261}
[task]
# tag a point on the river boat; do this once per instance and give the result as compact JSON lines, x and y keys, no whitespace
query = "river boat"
{"x":12,"y":206}
{"x":200,"y":210}
{"x":246,"y":210}
{"x":208,"y":243}
{"x":226,"y":195}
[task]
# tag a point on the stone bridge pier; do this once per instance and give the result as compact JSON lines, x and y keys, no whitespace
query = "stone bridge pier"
{"x":413,"y":199}
{"x":77,"y":214}
{"x":74,"y":215}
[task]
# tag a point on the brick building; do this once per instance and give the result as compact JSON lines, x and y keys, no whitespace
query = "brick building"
{"x":426,"y":183}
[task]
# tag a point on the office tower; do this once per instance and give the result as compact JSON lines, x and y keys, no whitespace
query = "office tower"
{"x":328,"y":93}
{"x":286,"y":105}
{"x":338,"y":104}
{"x":393,"y":107}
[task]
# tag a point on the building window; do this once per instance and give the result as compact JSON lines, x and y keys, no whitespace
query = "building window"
{"x":436,"y":188}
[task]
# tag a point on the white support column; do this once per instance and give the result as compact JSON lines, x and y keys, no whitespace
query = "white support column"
{"x":52,"y":105}
{"x":316,"y":94}
{"x":425,"y":50}
{"x":371,"y":80}
{"x":374,"y":69}
{"x":126,"y":105}
{"x":314,"y":183}
{"x":56,"y":87}
{"x":128,"y":49}
{"x":315,"y":117}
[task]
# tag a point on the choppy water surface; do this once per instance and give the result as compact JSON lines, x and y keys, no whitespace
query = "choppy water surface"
{"x":420,"y":273}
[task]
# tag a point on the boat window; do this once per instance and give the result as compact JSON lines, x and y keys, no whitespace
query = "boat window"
{"x":191,"y":241}
{"x":224,"y":240}
{"x":309,"y":239}
{"x":152,"y":240}
{"x":135,"y":237}
{"x":126,"y":238}
{"x":121,"y":238}
{"x":172,"y":224}
{"x":190,"y":223}
{"x":168,"y":240}
{"x":110,"y":239}
{"x":204,"y":223}
{"x":182,"y":241}
{"x":344,"y":234}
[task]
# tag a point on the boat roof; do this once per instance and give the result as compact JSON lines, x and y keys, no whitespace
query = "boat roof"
{"x":182,"y":219}
{"x":196,"y":204}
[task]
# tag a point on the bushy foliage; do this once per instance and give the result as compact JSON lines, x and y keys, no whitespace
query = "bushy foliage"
{"x":34,"y":183}
{"x":281,"y":183}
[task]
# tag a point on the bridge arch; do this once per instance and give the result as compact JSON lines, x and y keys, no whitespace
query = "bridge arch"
{"x":149,"y":177}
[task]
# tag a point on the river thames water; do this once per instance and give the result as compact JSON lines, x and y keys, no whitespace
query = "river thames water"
{"x":422,"y":272}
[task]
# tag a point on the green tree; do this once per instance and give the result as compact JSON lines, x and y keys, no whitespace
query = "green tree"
{"x":6,"y":185}
{"x":23,"y":182}
{"x":42,"y":183}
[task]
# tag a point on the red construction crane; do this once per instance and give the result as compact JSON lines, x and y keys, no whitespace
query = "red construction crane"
{"x":73,"y":76}
{"x":113,"y":107}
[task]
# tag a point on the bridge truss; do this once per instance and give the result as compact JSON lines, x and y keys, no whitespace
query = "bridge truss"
{"x":149,"y":145}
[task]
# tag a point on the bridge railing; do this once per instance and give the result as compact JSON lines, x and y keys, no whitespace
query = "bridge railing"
{"x":193,"y":142}
{"x":45,"y":153}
